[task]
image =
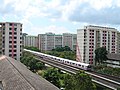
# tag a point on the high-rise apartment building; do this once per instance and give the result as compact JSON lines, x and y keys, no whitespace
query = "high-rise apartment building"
{"x":118,"y":42}
{"x":46,"y":41}
{"x":30,"y":41}
{"x":50,"y":41}
{"x":0,"y":39}
{"x":92,"y":37}
{"x":58,"y":41}
{"x":11,"y":34}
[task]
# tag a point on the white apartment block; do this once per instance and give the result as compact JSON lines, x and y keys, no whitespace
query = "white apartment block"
{"x":58,"y":41}
{"x":92,"y":37}
{"x":50,"y":41}
{"x":30,"y":41}
{"x":69,"y":40}
{"x":11,"y":39}
{"x":118,"y":42}
{"x":0,"y":39}
{"x":46,"y":41}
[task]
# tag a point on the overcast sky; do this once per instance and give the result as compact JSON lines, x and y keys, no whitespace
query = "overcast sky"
{"x":60,"y":16}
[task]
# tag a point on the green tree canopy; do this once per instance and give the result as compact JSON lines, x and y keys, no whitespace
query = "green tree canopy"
{"x":61,"y":49}
{"x":31,"y":62}
{"x":53,"y":76}
{"x":79,"y":81}
{"x":32,"y":48}
{"x":100,"y":55}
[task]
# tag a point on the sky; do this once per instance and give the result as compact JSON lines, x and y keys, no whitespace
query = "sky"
{"x":60,"y":16}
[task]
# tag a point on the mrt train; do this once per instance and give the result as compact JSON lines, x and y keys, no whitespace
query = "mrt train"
{"x":76,"y":64}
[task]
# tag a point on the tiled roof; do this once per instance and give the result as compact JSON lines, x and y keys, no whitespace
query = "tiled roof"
{"x":15,"y":76}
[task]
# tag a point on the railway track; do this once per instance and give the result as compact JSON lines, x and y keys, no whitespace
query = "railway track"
{"x":103,"y":79}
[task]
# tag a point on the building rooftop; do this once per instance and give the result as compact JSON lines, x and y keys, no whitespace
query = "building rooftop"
{"x":15,"y":76}
{"x":99,"y":27}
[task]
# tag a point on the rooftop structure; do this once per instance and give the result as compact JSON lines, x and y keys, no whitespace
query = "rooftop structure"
{"x":15,"y":76}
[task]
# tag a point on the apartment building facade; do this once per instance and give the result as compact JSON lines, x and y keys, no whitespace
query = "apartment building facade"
{"x":30,"y":41}
{"x":0,"y":39}
{"x":11,"y":34}
{"x":118,"y":42}
{"x":92,"y":37}
{"x":50,"y":41}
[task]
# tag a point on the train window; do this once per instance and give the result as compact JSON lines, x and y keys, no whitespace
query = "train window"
{"x":79,"y":65}
{"x":67,"y":62}
{"x":73,"y":63}
{"x":82,"y":65}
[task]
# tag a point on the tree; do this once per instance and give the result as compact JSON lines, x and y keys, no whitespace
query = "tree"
{"x":100,"y":55}
{"x":32,"y":48}
{"x":66,"y":48}
{"x":61,"y":49}
{"x":53,"y":76}
{"x":79,"y":81}
{"x":29,"y":60}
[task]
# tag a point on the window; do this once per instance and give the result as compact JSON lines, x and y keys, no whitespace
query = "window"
{"x":15,"y":24}
{"x":10,"y":32}
{"x":15,"y":46}
{"x":10,"y":24}
{"x":15,"y":55}
{"x":15,"y":32}
{"x":15,"y":50}
{"x":10,"y":41}
{"x":10,"y":46}
{"x":15,"y":29}
{"x":10,"y":28}
{"x":15,"y":42}
{"x":10,"y":50}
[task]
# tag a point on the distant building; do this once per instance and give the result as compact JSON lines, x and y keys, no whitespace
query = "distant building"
{"x":0,"y":39}
{"x":118,"y":42}
{"x":30,"y":41}
{"x":69,"y":40}
{"x":46,"y":41}
{"x":58,"y":41}
{"x":11,"y":39}
{"x":113,"y":60}
{"x":92,"y":37}
{"x":50,"y":41}
{"x":23,"y":37}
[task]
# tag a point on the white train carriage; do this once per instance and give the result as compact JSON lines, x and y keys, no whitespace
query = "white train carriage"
{"x":80,"y":65}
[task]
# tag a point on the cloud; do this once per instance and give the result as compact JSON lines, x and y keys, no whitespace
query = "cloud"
{"x":93,"y":11}
{"x":90,"y":15}
{"x":76,"y":11}
{"x":51,"y":28}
